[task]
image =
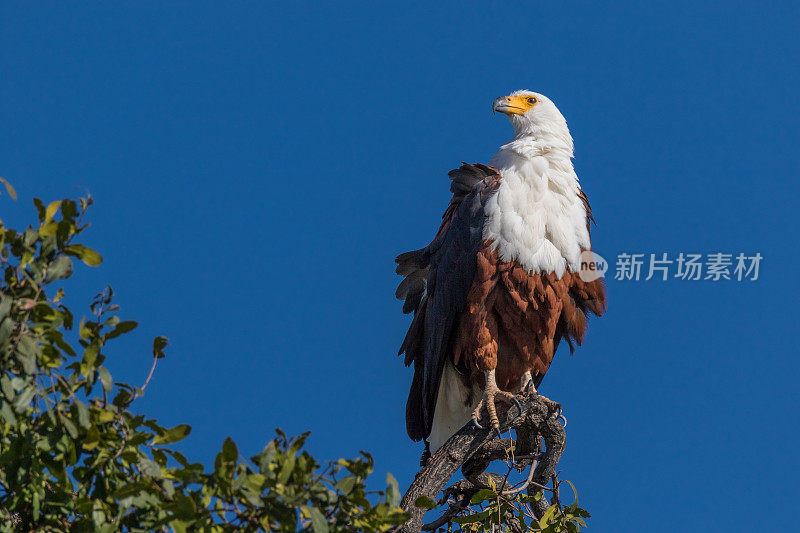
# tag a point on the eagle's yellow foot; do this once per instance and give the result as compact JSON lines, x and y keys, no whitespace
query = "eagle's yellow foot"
{"x":527,"y":387}
{"x":554,"y":406}
{"x":491,"y":393}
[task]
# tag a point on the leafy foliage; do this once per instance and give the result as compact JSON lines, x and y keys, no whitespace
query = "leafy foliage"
{"x":73,"y":457}
{"x":488,"y":510}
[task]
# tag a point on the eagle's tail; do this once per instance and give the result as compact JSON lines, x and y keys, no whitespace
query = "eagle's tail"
{"x":415,"y":416}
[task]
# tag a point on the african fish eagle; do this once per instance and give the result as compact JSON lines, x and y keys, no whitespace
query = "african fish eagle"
{"x":499,"y":286}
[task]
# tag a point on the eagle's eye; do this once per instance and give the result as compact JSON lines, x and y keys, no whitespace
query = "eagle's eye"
{"x":532,"y":100}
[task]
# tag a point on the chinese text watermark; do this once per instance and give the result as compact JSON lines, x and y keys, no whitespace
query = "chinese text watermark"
{"x":687,"y":266}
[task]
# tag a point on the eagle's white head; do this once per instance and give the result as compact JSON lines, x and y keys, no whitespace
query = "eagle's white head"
{"x":534,"y":115}
{"x":538,"y":216}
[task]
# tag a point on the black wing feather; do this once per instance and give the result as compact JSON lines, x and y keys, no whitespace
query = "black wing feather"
{"x":437,"y":280}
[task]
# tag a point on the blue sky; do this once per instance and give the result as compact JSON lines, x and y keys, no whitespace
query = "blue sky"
{"x":257,"y":166}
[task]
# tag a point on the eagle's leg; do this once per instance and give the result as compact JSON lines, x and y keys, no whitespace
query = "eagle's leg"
{"x":528,"y":387}
{"x":492,"y":392}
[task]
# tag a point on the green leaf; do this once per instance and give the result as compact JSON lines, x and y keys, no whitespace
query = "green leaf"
{"x":149,"y":468}
{"x":122,"y":399}
{"x":105,"y":378}
{"x":179,"y":526}
{"x":346,"y":484}
{"x":11,"y":192}
{"x":185,"y":505}
{"x":574,"y":491}
{"x":229,"y":450}
{"x":61,"y":268}
{"x":425,"y":503}
{"x":92,"y":438}
{"x":6,"y":387}
{"x":27,"y":351}
{"x":84,"y":330}
{"x":25,"y":397}
{"x":51,"y":210}
{"x":175,"y":434}
{"x":122,"y":328}
{"x":39,"y":208}
{"x":89,"y":359}
{"x":83,"y":414}
{"x":48,"y":229}
{"x":85,"y":254}
{"x":483,"y":495}
{"x":472,"y":518}
{"x":69,"y":426}
{"x":131,"y":489}
{"x":69,"y":209}
{"x":6,"y":327}
{"x":548,"y":515}
{"x":8,"y":414}
{"x":318,"y":522}
{"x":286,"y":469}
{"x":5,"y":305}
{"x":159,"y":343}
{"x":104,"y":415}
{"x":392,"y":491}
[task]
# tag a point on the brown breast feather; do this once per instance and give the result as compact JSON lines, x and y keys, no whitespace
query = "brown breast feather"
{"x":527,"y":312}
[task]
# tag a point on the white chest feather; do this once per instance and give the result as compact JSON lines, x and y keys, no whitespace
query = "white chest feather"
{"x":537,"y":217}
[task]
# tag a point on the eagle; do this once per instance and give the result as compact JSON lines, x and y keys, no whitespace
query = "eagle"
{"x":500,"y":285}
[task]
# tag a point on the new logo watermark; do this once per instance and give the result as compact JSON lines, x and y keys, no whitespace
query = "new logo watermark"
{"x":593,"y":266}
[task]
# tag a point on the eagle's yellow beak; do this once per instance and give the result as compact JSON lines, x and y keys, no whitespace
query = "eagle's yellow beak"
{"x":514,"y":104}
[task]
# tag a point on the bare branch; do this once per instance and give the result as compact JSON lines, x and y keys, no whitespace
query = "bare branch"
{"x":472,"y":450}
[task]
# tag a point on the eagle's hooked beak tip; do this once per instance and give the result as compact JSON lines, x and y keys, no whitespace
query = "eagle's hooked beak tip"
{"x":497,"y":104}
{"x":507,"y":105}
{"x":500,"y":104}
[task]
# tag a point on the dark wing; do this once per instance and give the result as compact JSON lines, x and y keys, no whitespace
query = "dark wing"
{"x":437,"y":280}
{"x":589,"y":216}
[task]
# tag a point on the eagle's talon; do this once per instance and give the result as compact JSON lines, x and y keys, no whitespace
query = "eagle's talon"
{"x":528,"y":386}
{"x":554,"y":407}
{"x":519,"y":405}
{"x":490,"y":395}
{"x":477,"y":424}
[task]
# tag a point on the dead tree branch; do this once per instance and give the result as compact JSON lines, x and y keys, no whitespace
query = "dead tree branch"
{"x":472,"y":450}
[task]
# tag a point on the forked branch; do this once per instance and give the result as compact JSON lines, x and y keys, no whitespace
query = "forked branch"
{"x":473,"y":449}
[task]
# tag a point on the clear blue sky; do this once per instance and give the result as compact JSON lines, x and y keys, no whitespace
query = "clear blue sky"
{"x":257,"y":167}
